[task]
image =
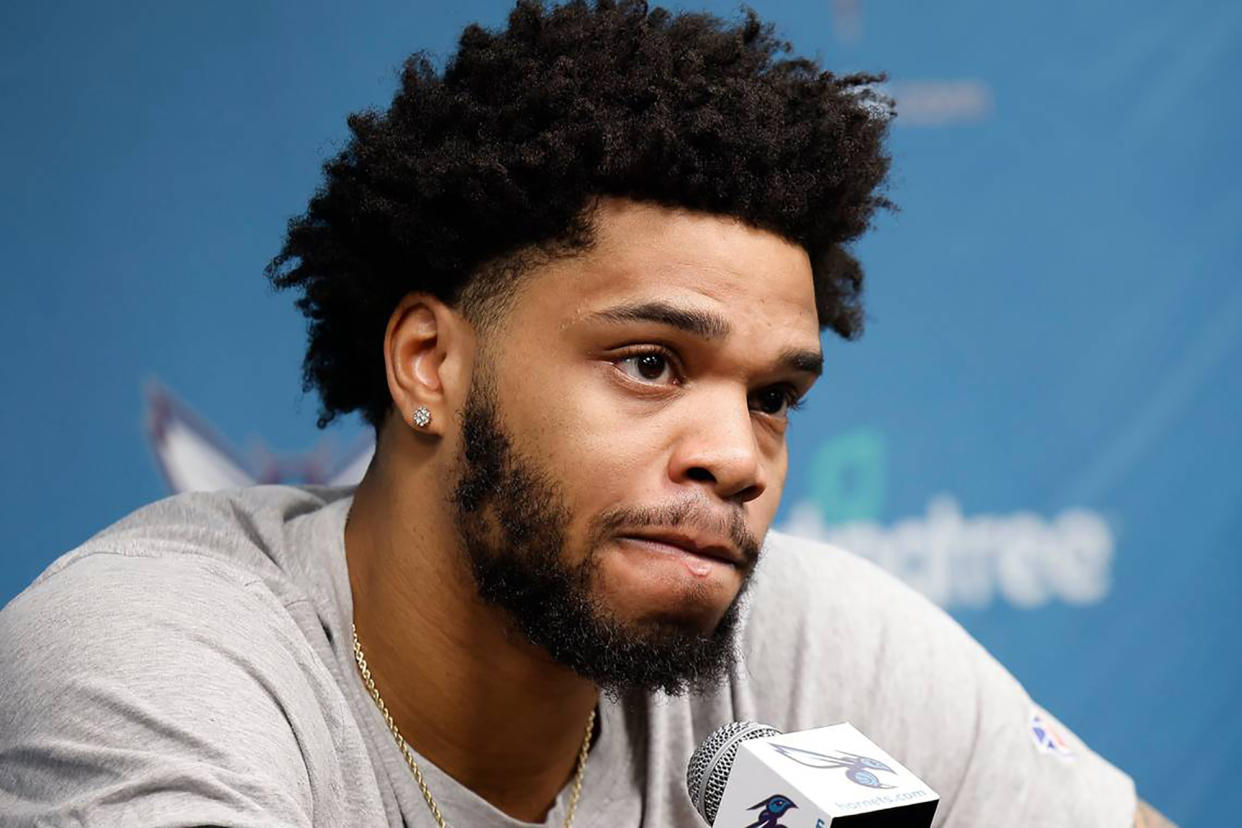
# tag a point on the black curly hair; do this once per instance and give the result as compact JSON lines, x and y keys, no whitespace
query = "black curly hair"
{"x":505,"y":152}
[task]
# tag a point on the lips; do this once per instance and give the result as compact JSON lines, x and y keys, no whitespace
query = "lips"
{"x":704,"y":546}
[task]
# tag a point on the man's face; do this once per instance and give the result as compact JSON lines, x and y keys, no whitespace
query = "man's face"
{"x":624,"y":440}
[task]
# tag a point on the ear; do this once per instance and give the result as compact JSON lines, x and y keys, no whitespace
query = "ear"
{"x":428,"y":351}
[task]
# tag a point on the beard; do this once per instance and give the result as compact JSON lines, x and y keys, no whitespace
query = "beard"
{"x":512,"y":517}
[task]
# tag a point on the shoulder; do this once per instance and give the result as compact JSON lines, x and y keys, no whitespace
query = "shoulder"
{"x":824,"y":618}
{"x":832,"y":637}
{"x":182,"y":586}
{"x":128,"y":672}
{"x":847,"y":600}
{"x":153,"y":621}
{"x":241,"y":526}
{"x":237,"y":533}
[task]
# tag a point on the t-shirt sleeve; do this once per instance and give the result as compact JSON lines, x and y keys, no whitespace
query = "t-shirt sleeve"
{"x":139,"y":690}
{"x":834,"y":638}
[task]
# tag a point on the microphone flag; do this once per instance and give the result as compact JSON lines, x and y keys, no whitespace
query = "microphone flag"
{"x":831,"y":776}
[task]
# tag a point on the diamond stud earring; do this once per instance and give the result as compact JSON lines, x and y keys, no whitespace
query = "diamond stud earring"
{"x":421,"y":416}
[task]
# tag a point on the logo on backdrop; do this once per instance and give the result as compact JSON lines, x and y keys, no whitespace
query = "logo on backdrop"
{"x":858,"y":769}
{"x":772,"y":809}
{"x":193,"y":457}
{"x":956,"y":560}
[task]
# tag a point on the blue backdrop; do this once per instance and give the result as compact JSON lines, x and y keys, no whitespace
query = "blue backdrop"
{"x":1040,"y":429}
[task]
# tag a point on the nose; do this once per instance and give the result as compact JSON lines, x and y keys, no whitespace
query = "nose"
{"x":718,"y":448}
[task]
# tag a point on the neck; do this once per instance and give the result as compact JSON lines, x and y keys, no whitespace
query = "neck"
{"x":465,"y":688}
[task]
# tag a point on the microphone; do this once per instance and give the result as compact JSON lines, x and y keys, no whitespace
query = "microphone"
{"x":749,"y":775}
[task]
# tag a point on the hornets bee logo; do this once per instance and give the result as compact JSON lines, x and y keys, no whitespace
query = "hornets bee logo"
{"x":770,"y":811}
{"x":861,"y":770}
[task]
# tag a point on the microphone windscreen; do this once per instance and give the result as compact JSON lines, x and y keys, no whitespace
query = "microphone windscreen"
{"x":708,"y":770}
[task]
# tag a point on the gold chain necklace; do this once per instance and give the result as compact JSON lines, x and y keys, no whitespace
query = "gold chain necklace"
{"x":418,"y":774}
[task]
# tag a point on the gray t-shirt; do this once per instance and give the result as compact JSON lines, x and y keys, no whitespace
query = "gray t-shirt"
{"x":192,"y":664}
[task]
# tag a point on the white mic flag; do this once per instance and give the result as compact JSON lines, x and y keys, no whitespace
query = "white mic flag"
{"x":747,"y":775}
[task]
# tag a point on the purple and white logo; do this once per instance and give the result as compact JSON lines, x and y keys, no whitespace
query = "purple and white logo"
{"x":1047,"y":736}
{"x":193,"y":457}
{"x":859,"y":769}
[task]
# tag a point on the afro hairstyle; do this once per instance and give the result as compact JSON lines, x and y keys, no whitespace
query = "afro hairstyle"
{"x":506,"y":150}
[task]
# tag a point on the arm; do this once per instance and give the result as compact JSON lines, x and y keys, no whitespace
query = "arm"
{"x":1146,"y":816}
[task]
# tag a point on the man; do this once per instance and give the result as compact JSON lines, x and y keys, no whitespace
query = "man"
{"x":576,"y":283}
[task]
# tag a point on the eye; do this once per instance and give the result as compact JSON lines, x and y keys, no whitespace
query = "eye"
{"x":649,"y":366}
{"x":776,"y":400}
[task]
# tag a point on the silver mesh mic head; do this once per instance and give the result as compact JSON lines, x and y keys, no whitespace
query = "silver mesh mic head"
{"x":709,"y":767}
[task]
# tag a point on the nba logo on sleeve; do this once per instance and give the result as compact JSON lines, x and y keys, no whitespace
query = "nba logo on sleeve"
{"x":1047,"y":735}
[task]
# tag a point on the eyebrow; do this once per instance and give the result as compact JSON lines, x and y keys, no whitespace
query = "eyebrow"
{"x":798,"y":359}
{"x":704,"y":325}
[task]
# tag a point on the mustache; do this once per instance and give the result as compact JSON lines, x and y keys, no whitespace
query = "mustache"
{"x":691,"y":513}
